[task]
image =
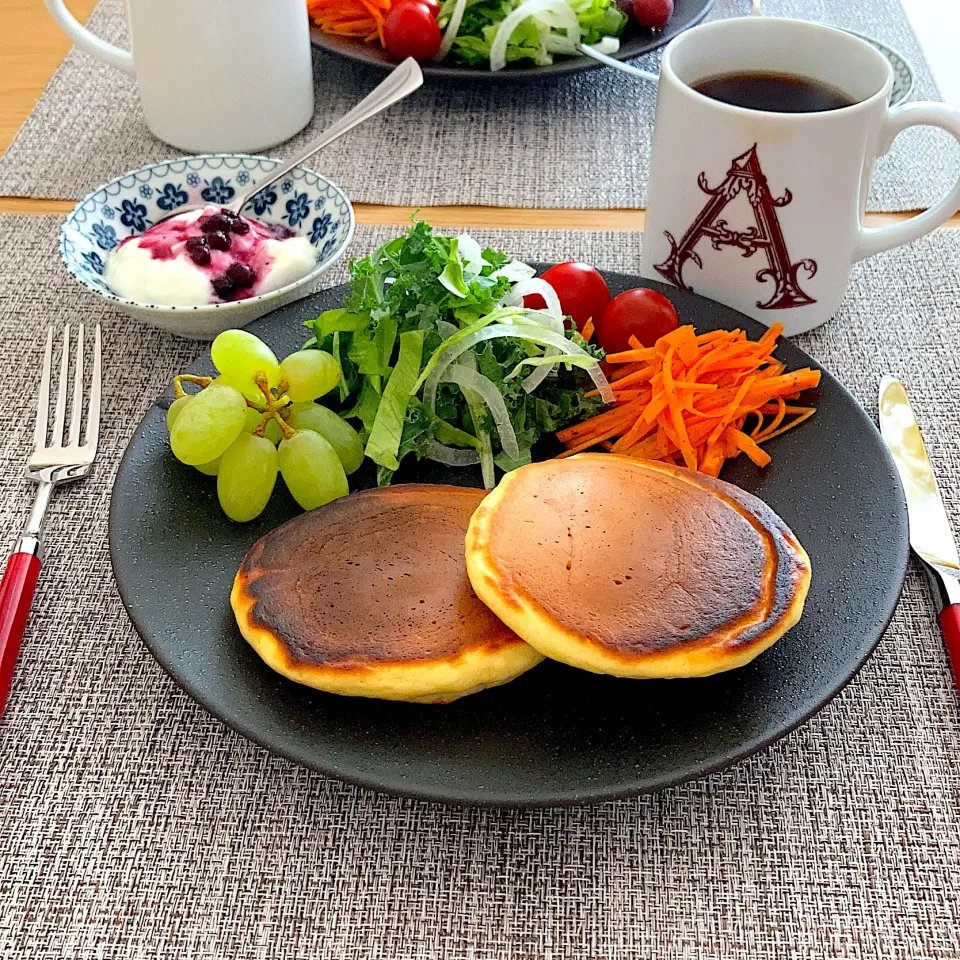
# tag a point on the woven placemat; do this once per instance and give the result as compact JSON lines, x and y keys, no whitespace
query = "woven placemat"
{"x":581,"y":141}
{"x":135,"y":826}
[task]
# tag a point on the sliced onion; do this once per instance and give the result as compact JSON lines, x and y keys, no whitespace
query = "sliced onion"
{"x":607,"y":45}
{"x":562,"y":16}
{"x":533,"y":380}
{"x":468,"y":379}
{"x":537,"y":285}
{"x":533,"y":332}
{"x":514,"y":271}
{"x":470,"y":253}
{"x":451,"y":456}
{"x":453,"y":28}
{"x":486,"y":461}
{"x":581,"y":360}
{"x":526,"y":316}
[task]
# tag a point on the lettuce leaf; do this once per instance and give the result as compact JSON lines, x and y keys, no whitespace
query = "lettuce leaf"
{"x":387,"y":429}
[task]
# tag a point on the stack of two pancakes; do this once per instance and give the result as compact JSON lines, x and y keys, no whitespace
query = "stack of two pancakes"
{"x":428,"y":593}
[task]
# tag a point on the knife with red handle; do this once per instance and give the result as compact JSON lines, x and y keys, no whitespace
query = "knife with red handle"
{"x":950,"y":625}
{"x":930,"y":535}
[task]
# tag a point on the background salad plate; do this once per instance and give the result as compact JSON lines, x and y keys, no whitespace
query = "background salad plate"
{"x":636,"y":40}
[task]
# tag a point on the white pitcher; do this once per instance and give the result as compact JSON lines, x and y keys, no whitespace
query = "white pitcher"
{"x":215,"y":76}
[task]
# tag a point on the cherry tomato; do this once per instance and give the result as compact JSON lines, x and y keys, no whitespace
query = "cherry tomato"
{"x":652,"y":13}
{"x":642,"y":313}
{"x":434,"y":5}
{"x":582,"y":291}
{"x":411,"y":30}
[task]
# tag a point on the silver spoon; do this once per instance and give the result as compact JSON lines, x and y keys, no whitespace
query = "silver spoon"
{"x":626,"y":68}
{"x":403,"y":81}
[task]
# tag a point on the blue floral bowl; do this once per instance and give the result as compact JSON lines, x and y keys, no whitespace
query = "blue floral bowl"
{"x":304,"y":201}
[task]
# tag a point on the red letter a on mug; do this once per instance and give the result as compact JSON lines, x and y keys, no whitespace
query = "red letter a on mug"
{"x":745,"y":175}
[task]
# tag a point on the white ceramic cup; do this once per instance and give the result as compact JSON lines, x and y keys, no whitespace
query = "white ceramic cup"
{"x":760,"y":210}
{"x":215,"y":76}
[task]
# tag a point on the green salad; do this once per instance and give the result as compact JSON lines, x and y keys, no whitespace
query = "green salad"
{"x":439,"y":357}
{"x":498,"y":32}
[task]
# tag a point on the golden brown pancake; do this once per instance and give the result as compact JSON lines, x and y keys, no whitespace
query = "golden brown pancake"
{"x":635,"y":568}
{"x":368,"y":596}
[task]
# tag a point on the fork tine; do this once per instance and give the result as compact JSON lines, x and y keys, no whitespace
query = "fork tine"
{"x":76,"y":411}
{"x":43,"y":397}
{"x":93,"y":409}
{"x":56,"y":440}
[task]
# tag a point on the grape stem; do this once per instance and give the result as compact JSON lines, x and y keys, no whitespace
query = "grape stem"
{"x":182,"y":378}
{"x":288,"y":431}
{"x":275,"y":401}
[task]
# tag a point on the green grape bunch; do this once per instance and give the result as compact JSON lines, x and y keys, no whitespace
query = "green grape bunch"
{"x":258,"y":418}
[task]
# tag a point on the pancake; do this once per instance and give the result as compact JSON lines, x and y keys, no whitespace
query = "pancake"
{"x":368,"y":596}
{"x":635,"y":568}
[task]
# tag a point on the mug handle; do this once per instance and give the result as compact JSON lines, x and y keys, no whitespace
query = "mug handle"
{"x":876,"y":239}
{"x":87,"y":41}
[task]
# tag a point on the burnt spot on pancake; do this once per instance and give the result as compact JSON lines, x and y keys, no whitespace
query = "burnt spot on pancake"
{"x":375,"y":578}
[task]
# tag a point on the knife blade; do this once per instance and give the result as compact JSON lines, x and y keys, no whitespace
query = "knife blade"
{"x":930,"y":535}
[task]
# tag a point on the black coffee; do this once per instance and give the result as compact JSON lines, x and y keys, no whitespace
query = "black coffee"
{"x":779,"y":92}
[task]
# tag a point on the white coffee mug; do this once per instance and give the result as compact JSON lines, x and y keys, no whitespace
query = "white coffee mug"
{"x":215,"y":76}
{"x":763,"y":210}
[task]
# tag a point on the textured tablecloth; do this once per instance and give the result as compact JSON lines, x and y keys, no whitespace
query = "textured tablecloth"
{"x":579,"y":141}
{"x":135,"y":826}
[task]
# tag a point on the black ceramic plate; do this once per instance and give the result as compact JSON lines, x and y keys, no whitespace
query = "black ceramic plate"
{"x":556,"y":735}
{"x":635,"y":41}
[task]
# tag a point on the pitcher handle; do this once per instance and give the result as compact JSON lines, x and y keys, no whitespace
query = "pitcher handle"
{"x":877,"y":239}
{"x":87,"y":41}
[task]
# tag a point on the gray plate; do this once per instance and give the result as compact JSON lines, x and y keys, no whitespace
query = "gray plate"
{"x":636,"y":40}
{"x":555,"y":735}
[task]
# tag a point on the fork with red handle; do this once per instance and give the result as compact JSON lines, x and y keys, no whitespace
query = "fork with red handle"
{"x":55,"y":459}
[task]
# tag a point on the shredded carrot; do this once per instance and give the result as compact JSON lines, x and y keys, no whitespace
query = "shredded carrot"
{"x":632,"y":356}
{"x":689,"y":400}
{"x":588,"y":328}
{"x":351,"y":18}
{"x":760,"y":457}
{"x":618,"y":373}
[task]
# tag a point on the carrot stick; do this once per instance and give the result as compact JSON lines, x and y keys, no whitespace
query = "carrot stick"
{"x":760,"y":457}
{"x":632,"y":356}
{"x":777,"y":420}
{"x":676,"y":412}
{"x":731,"y":411}
{"x":625,"y":414}
{"x":685,"y":342}
{"x":626,"y":394}
{"x":640,"y":376}
{"x":618,"y":373}
{"x":767,"y":342}
{"x":634,"y":435}
{"x":793,"y":423}
{"x":588,"y":327}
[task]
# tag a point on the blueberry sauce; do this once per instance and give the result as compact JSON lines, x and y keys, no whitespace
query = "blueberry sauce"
{"x":218,"y":240}
{"x":226,"y":247}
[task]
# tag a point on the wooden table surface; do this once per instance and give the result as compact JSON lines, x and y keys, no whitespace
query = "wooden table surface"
{"x":31,"y":46}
